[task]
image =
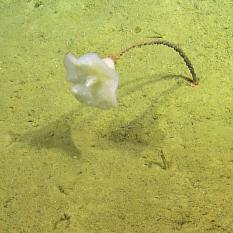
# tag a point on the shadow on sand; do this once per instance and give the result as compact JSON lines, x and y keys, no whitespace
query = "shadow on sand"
{"x":57,"y":134}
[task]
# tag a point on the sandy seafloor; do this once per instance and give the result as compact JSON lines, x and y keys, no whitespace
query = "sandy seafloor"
{"x":68,"y":168}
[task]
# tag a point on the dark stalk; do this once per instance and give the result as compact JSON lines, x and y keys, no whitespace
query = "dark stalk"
{"x":175,"y":47}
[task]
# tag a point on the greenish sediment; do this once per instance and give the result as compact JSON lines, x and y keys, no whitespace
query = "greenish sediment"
{"x":68,"y":168}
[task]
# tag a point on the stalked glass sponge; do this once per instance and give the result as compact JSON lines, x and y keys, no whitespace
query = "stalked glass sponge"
{"x":94,"y":80}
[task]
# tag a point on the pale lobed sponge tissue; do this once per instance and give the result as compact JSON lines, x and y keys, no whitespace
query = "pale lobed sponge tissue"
{"x":94,"y":80}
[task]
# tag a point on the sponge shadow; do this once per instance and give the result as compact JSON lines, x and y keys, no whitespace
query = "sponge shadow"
{"x":143,"y":131}
{"x":55,"y":135}
{"x":137,"y":133}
